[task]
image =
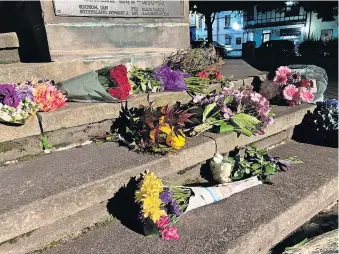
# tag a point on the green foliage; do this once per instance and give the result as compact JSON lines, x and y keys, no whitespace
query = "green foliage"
{"x":45,"y":144}
{"x":142,"y":80}
{"x":258,"y":163}
{"x":245,"y":124}
{"x":197,"y":85}
{"x":193,"y":61}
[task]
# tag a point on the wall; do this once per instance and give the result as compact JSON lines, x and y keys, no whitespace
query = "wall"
{"x":80,"y":36}
{"x":220,"y":30}
{"x":317,"y":25}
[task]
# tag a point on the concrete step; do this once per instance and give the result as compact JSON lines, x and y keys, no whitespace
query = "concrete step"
{"x":248,"y":222}
{"x":67,"y":68}
{"x":47,"y":189}
{"x":9,"y":45}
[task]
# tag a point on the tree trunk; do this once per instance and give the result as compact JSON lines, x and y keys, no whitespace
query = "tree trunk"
{"x":209,"y":19}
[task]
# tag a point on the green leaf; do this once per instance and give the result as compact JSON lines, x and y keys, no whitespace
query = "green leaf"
{"x":228,"y":99}
{"x":226,"y":127}
{"x":293,"y":160}
{"x":208,"y":110}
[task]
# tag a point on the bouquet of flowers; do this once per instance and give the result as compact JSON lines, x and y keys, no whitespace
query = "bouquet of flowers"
{"x":243,"y":111}
{"x":292,"y":86}
{"x":152,"y":129}
{"x":160,"y":206}
{"x":254,"y":162}
{"x":142,"y":80}
{"x":109,"y":84}
{"x":212,"y":73}
{"x":19,"y":101}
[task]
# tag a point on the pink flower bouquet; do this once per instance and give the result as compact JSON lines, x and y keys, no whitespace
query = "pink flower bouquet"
{"x":294,"y":87}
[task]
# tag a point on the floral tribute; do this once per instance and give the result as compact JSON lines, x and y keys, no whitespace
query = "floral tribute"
{"x":160,"y":206}
{"x":152,"y":129}
{"x":212,"y":73}
{"x":253,"y":163}
{"x":294,"y":87}
{"x":243,"y":111}
{"x":121,"y":86}
{"x":19,"y":101}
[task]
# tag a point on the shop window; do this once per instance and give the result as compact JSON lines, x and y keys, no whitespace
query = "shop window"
{"x":228,"y":39}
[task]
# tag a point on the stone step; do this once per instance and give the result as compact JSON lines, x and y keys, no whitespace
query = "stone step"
{"x":44,"y":190}
{"x":9,"y":48}
{"x":68,"y":68}
{"x":248,"y":222}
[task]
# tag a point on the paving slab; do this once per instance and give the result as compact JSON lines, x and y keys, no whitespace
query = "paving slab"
{"x":248,"y":222}
{"x":239,"y":69}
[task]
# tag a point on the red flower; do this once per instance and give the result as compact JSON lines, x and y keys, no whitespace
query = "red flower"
{"x":203,"y":74}
{"x":304,"y":83}
{"x":162,"y":223}
{"x":218,"y":76}
{"x":121,"y":81}
{"x":121,"y":92}
{"x":292,"y":103}
{"x":118,"y":71}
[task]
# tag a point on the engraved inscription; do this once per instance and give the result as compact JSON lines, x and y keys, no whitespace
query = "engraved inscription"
{"x":120,"y":8}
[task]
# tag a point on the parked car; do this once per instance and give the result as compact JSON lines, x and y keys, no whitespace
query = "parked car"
{"x":221,"y":50}
{"x":275,"y":48}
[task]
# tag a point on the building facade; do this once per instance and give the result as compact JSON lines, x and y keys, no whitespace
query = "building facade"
{"x":227,"y":28}
{"x":292,"y":23}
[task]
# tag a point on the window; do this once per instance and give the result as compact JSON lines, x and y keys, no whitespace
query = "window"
{"x":292,"y":11}
{"x":227,"y":20}
{"x":326,"y":34}
{"x":238,"y":41}
{"x":250,"y":14}
{"x":228,"y":40}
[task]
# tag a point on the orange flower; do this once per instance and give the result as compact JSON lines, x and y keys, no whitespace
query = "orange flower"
{"x":48,"y":98}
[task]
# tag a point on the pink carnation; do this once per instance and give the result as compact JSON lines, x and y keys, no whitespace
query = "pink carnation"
{"x":306,"y":95}
{"x":281,"y":75}
{"x":289,"y":92}
{"x":162,"y":223}
{"x":170,"y":233}
{"x":256,"y":96}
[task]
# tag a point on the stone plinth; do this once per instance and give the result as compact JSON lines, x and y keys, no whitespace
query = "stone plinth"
{"x":81,"y":36}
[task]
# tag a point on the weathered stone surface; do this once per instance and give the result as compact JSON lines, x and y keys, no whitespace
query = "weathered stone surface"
{"x":239,"y":69}
{"x":71,"y":33}
{"x":9,"y":40}
{"x":59,"y":71}
{"x":9,"y":56}
{"x":246,"y":223}
{"x":20,"y":149}
{"x":9,"y":132}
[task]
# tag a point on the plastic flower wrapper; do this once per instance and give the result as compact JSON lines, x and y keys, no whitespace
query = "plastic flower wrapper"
{"x":243,"y":111}
{"x":221,"y":168}
{"x":8,"y":95}
{"x":254,"y":163}
{"x":161,"y":206}
{"x":170,"y":79}
{"x":108,"y":84}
